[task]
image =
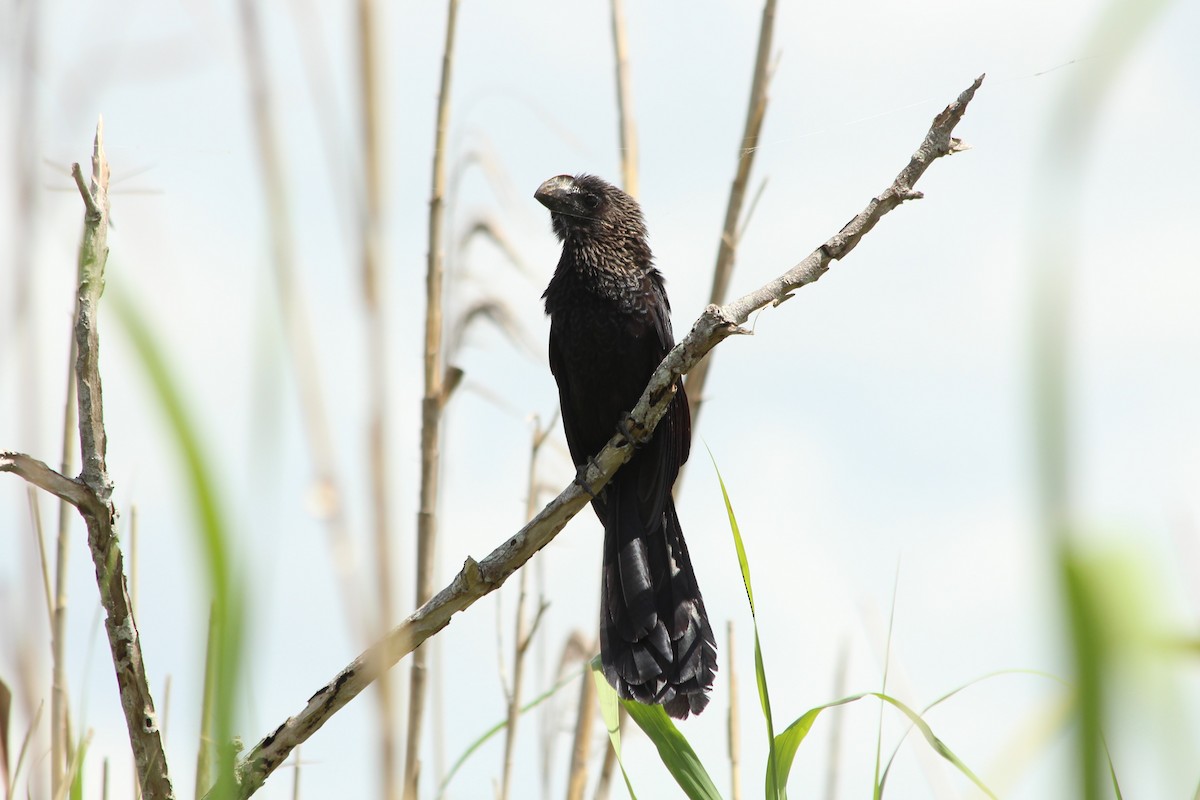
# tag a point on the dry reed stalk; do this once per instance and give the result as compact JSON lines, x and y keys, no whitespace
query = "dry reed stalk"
{"x":727,"y":250}
{"x":432,"y":405}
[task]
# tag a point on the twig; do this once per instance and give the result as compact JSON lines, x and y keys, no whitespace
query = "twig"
{"x":727,"y":249}
{"x":123,"y":639}
{"x":49,"y":480}
{"x":432,"y":405}
{"x":477,"y":578}
{"x":92,"y":492}
{"x":625,"y":114}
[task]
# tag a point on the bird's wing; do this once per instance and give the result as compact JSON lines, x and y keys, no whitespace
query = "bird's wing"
{"x":666,"y":452}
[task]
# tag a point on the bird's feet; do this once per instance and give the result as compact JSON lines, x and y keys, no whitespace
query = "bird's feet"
{"x":581,"y":476}
{"x":627,"y":432}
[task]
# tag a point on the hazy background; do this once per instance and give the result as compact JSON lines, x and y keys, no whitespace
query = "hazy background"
{"x":875,"y":433}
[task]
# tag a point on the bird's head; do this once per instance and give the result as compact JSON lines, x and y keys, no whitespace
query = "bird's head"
{"x":585,"y":204}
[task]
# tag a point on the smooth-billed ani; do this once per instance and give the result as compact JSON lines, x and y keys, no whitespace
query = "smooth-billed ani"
{"x":609,"y":329}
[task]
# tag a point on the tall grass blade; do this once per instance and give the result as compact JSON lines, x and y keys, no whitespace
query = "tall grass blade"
{"x":887,"y":663}
{"x":611,"y":714}
{"x":790,"y":740}
{"x":775,"y":790}
{"x":950,"y":694}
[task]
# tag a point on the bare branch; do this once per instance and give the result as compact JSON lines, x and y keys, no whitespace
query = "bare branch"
{"x":477,"y":578}
{"x":49,"y":480}
{"x":97,"y":509}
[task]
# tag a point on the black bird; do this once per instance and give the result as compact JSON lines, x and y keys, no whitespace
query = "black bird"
{"x":610,"y":327}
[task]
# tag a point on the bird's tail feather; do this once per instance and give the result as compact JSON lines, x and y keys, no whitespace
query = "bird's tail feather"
{"x":656,"y":643}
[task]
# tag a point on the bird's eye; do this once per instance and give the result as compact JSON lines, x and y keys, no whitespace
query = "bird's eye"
{"x":591,"y":201}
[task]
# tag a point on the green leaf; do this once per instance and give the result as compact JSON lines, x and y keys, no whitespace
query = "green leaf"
{"x":610,"y":712}
{"x":883,"y":778}
{"x":673,"y":748}
{"x":788,"y":742}
{"x":76,"y":792}
{"x":937,"y":744}
{"x":210,"y":522}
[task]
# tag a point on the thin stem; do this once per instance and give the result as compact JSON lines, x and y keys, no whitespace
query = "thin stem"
{"x":431,"y":406}
{"x":60,"y":735}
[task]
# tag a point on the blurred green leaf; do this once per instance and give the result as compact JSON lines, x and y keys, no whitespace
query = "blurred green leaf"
{"x":77,"y":768}
{"x":210,"y":524}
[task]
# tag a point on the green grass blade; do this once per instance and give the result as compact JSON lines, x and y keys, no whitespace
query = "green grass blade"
{"x":610,"y":712}
{"x":674,"y":750}
{"x":937,"y":744}
{"x":887,"y":664}
{"x":775,"y":790}
{"x":788,"y":742}
{"x":492,"y":731}
{"x":896,"y":750}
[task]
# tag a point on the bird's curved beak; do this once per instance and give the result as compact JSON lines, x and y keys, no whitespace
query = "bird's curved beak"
{"x":558,"y":194}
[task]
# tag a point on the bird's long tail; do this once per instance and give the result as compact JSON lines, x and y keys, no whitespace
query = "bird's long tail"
{"x":656,"y":643}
